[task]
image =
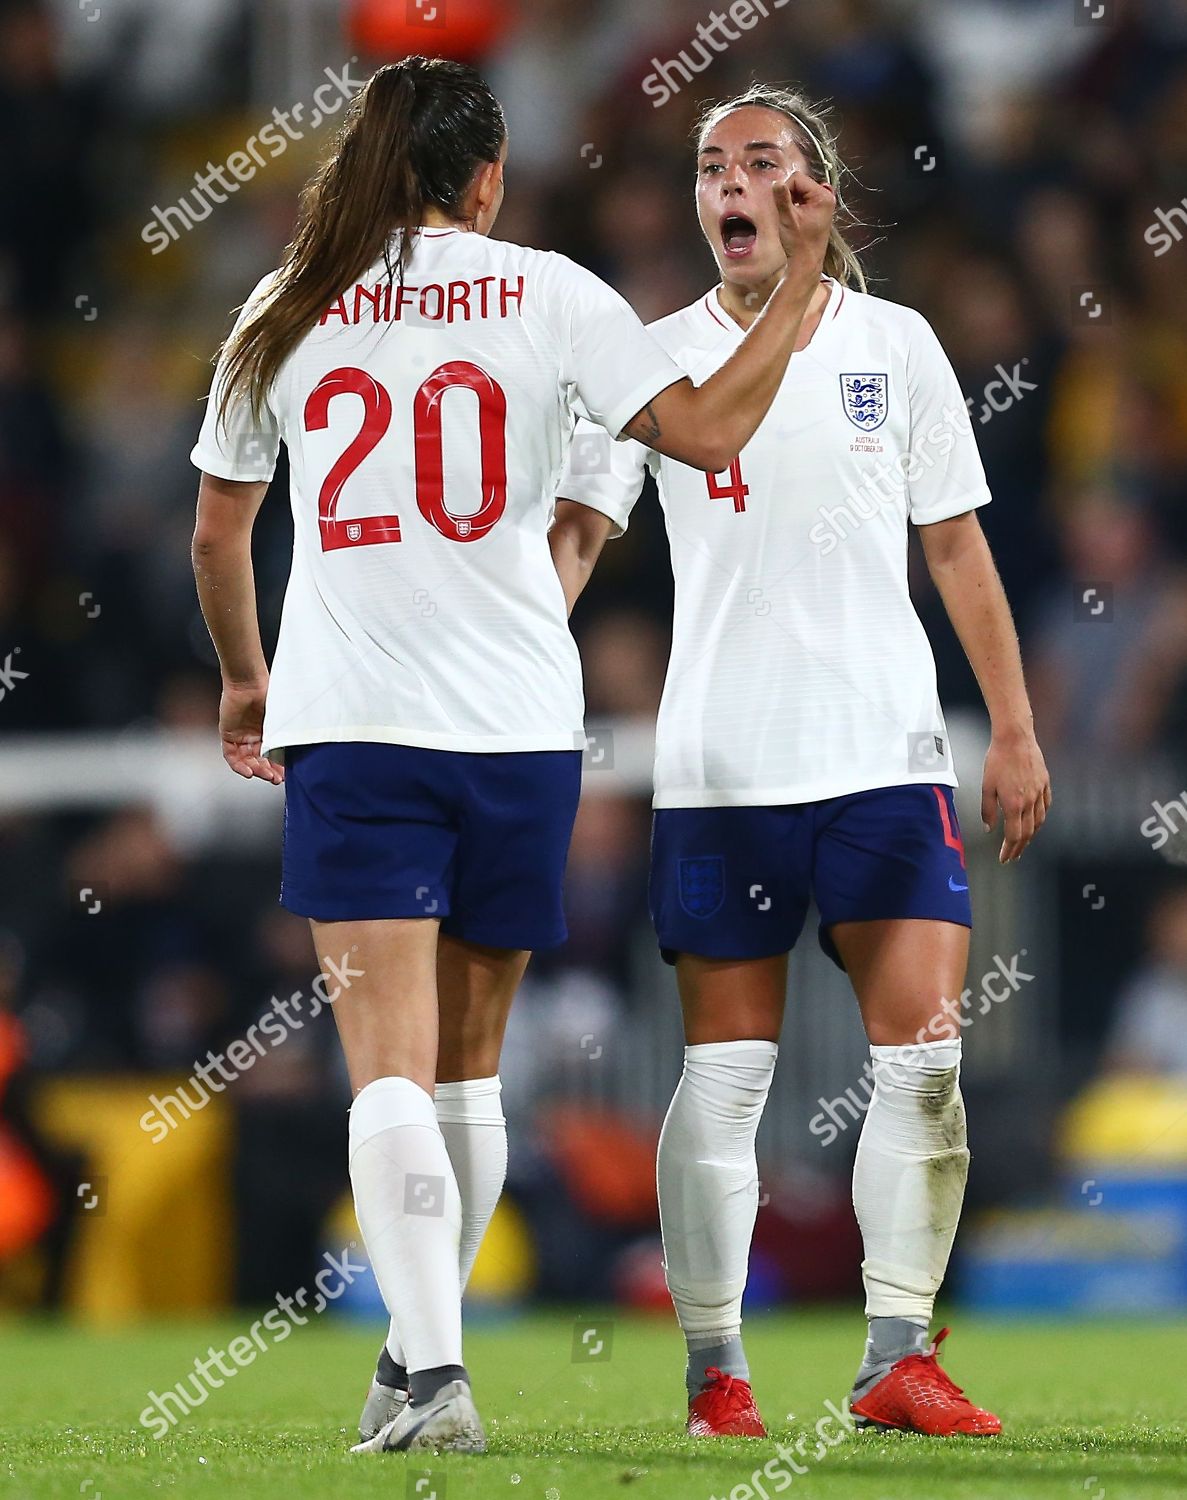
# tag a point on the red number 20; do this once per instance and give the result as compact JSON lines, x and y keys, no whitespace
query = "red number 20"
{"x":430,"y":451}
{"x":377,"y":416}
{"x":367,"y":531}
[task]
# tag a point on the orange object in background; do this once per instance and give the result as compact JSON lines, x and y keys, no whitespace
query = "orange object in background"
{"x":607,"y":1161}
{"x":462,"y":29}
{"x":26,"y":1197}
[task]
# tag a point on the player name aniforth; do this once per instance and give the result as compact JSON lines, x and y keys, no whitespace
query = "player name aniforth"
{"x":455,"y":301}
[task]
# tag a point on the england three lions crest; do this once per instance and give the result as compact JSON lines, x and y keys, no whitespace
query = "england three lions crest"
{"x":864,"y":400}
{"x":701,"y":884}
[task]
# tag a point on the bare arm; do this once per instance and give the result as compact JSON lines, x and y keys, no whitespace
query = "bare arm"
{"x":707,"y":426}
{"x":1015,"y":777}
{"x":227,"y":593}
{"x":577,"y":536}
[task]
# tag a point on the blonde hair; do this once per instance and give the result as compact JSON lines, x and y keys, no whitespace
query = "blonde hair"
{"x":815,"y":140}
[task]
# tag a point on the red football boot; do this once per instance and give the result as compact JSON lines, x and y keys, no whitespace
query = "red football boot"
{"x":724,"y":1408}
{"x":917,"y":1396}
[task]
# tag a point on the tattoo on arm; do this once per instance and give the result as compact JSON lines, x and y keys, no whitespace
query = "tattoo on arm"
{"x":645,"y":427}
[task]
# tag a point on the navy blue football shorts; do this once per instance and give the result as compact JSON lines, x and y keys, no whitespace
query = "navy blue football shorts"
{"x":736,"y":882}
{"x":478,"y":841}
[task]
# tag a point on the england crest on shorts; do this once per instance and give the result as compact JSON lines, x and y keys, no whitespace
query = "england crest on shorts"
{"x":702,"y":885}
{"x":864,"y":400}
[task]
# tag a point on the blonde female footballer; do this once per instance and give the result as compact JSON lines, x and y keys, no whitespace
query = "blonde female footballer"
{"x":802,"y":753}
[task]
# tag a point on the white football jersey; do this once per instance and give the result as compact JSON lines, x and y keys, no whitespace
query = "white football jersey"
{"x":427,"y":427}
{"x":799,"y":668}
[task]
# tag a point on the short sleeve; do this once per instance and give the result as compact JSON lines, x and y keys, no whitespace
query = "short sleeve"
{"x":612,"y":364}
{"x":239,"y":446}
{"x":945,"y":477}
{"x":604,"y":475}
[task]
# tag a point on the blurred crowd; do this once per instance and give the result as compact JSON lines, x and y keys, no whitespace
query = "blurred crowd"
{"x":1019,"y":169}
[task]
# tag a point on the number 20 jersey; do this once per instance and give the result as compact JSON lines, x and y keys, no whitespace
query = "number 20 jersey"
{"x":427,"y":425}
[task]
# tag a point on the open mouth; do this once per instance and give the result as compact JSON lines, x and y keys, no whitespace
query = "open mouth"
{"x":738,"y":235}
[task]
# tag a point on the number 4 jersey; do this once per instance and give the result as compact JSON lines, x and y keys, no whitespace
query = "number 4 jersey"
{"x":427,"y":425}
{"x":799,"y":668}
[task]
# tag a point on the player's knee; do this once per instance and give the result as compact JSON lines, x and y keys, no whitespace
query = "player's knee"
{"x":905,"y":1028}
{"x":718,"y":1019}
{"x":465,"y":1056}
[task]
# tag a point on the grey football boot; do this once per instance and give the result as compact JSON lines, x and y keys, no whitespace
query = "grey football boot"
{"x":384,"y":1404}
{"x":449,"y":1423}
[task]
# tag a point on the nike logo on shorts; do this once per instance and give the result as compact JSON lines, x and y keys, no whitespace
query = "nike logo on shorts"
{"x":952,"y":885}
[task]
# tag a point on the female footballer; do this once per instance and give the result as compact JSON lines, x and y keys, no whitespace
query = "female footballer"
{"x":801,"y":752}
{"x":425,"y":698}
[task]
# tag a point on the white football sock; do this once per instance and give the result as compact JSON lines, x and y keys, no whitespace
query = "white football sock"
{"x":470,"y":1114}
{"x":408,"y":1208}
{"x":708,"y":1181}
{"x":909,"y":1176}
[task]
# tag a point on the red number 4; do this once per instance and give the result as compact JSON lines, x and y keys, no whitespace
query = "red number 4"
{"x":367,"y":531}
{"x":735,"y":490}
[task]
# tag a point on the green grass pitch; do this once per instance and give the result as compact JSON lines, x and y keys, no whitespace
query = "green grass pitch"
{"x":1091,"y":1412}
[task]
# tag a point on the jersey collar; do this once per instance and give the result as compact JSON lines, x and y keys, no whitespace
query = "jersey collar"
{"x":836,"y":296}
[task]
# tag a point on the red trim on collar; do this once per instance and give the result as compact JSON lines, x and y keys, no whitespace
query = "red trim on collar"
{"x":710,"y":298}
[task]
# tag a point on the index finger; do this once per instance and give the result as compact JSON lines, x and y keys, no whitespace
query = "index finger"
{"x":805,"y":189}
{"x":1013,"y":843}
{"x":1020,"y":828}
{"x":238,"y":763}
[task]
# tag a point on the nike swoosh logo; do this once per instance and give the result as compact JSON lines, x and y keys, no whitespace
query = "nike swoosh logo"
{"x":952,"y":885}
{"x":410,"y":1432}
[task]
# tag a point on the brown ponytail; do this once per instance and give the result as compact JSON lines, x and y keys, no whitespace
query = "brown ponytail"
{"x":413,"y":136}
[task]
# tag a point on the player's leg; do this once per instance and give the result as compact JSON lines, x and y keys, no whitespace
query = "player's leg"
{"x":727,"y":907}
{"x":371,"y":834}
{"x":707,"y":1172}
{"x":890,"y":866}
{"x":475,"y":988}
{"x":519,"y":814}
{"x":912,"y":1156}
{"x":405,"y":1193}
{"x":516,"y":820}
